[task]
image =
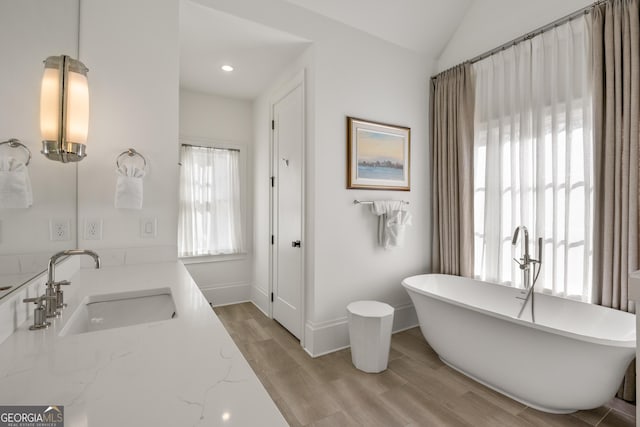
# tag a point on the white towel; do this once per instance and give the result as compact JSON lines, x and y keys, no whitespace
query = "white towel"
{"x":392,"y":221}
{"x":15,"y":184}
{"x":395,"y":228}
{"x":129,"y":187}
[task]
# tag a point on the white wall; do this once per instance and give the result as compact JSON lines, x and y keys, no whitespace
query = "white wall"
{"x":360,"y":76}
{"x":355,"y":75}
{"x":133,"y":79}
{"x":491,"y":23}
{"x":30,"y":31}
{"x":208,"y":119}
{"x":216,"y":118}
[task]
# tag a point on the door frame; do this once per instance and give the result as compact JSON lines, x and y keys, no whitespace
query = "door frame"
{"x":297,"y":80}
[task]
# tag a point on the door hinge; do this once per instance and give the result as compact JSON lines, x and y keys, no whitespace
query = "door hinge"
{"x":273,"y":181}
{"x":273,"y":124}
{"x":273,"y":240}
{"x":271,"y":296}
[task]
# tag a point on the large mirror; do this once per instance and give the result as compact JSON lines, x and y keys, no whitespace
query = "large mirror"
{"x":30,"y":31}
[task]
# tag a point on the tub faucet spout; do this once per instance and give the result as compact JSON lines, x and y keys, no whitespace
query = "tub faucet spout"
{"x":527,"y":265}
{"x":526,"y":260}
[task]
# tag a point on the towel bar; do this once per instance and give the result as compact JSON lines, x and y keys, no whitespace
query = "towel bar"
{"x":15,"y":143}
{"x":130,"y":153}
{"x":370,"y":202}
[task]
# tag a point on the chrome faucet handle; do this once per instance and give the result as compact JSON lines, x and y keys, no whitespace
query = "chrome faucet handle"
{"x":59,"y":293}
{"x":39,"y":313}
{"x":61,"y":283}
{"x":36,"y":300}
{"x":523,"y":265}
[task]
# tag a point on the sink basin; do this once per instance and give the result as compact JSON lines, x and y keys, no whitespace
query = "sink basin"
{"x":117,"y":310}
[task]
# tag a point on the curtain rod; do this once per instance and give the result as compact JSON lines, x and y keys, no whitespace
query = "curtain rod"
{"x":210,"y":147}
{"x":531,"y":34}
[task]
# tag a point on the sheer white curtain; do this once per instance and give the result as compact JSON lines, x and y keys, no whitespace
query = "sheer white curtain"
{"x":533,"y":159}
{"x":209,"y":221}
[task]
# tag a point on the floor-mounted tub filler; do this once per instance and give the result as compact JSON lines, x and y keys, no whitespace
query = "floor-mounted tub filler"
{"x":572,"y":358}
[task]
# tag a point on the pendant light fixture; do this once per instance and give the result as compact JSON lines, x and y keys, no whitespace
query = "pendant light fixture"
{"x":64,"y":109}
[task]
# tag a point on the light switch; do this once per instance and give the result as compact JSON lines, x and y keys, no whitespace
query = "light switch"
{"x":148,"y":228}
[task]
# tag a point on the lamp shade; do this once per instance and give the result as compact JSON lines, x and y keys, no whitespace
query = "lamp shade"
{"x":64,"y":109}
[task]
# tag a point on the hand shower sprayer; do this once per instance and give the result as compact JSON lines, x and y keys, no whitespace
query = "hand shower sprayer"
{"x":527,"y":265}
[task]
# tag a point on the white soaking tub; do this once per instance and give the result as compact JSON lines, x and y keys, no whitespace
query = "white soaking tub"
{"x":572,"y":358}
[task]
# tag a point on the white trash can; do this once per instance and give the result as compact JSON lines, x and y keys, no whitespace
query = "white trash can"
{"x":370,"y":325}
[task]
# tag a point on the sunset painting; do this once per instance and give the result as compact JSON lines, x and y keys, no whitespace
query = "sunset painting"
{"x":378,"y":155}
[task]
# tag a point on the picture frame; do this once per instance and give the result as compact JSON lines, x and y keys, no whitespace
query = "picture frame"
{"x":378,"y":155}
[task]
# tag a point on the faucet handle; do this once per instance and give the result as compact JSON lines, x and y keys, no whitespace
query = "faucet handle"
{"x":39,"y":313}
{"x":38,"y":300}
{"x":524,"y":265}
{"x":59,"y":294}
{"x":61,"y":283}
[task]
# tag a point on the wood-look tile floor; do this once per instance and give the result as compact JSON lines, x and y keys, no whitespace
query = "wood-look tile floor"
{"x":416,"y":390}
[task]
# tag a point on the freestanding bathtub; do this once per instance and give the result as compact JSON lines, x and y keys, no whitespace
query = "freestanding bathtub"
{"x":573,"y":357}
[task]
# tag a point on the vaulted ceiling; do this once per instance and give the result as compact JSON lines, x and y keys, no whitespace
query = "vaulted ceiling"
{"x":421,"y":25}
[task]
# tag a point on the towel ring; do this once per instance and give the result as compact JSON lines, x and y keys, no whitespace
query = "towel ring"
{"x":15,"y":143}
{"x":131,"y":153}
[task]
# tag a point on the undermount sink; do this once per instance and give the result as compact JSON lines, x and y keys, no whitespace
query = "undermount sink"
{"x":117,"y":310}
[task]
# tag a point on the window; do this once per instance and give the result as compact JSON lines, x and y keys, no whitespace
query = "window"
{"x":210,"y":220}
{"x":533,"y":162}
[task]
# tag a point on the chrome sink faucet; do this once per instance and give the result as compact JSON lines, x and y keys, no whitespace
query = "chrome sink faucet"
{"x":54,"y":301}
{"x":527,"y":265}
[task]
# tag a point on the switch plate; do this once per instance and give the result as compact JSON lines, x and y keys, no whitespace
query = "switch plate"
{"x":148,"y":228}
{"x":59,"y":230}
{"x":93,"y":229}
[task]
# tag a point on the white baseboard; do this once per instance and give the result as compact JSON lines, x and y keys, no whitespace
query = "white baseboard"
{"x":320,"y":338}
{"x":327,"y":337}
{"x":260,"y":299}
{"x":227,"y":293}
{"x":260,"y":308}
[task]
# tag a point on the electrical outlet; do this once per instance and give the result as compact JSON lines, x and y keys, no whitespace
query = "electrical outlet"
{"x":93,"y":229}
{"x":59,"y":229}
{"x":148,"y":228}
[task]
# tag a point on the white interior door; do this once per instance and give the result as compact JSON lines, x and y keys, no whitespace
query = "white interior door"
{"x":287,"y":224}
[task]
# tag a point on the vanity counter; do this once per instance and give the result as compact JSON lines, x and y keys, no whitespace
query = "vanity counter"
{"x":184,"y":371}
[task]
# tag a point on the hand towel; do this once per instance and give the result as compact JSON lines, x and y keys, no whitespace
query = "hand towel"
{"x":129,"y":188}
{"x":15,"y":184}
{"x":395,"y":228}
{"x":392,"y":221}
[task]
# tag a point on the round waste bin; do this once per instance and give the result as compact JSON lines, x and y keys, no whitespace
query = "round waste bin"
{"x":370,"y":325}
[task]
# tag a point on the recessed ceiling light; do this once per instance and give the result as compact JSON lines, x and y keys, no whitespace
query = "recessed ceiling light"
{"x":227,"y":68}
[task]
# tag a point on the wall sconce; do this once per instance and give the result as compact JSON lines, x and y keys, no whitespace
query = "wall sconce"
{"x":64,"y":109}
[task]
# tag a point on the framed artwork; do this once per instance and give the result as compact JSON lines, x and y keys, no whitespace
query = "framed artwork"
{"x":378,"y":155}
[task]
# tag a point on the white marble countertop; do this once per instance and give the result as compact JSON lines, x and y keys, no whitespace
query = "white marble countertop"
{"x":185,"y":371}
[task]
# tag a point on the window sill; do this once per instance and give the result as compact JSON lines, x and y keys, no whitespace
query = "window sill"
{"x":213,"y":258}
